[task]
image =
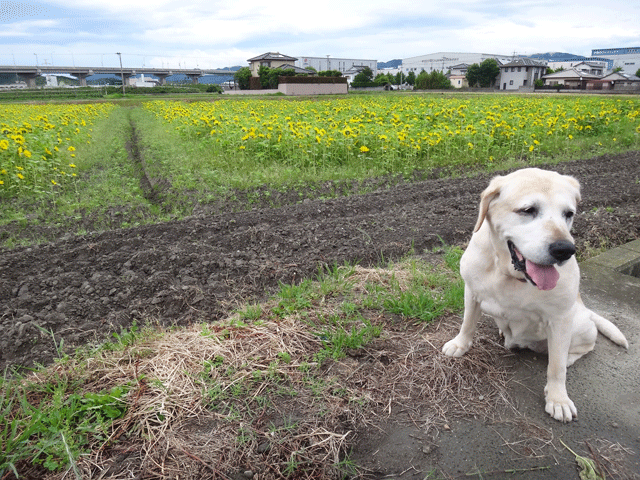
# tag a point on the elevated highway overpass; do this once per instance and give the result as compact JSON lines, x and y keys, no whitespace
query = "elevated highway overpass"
{"x":30,"y":73}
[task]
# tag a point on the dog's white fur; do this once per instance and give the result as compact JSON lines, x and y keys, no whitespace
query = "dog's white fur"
{"x":532,"y":208}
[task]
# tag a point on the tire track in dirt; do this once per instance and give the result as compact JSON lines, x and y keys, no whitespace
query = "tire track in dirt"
{"x":151,"y":187}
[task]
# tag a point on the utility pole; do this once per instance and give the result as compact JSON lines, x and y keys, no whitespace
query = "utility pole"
{"x":121,"y":72}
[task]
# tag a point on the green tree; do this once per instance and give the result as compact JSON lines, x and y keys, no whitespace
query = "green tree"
{"x":638,"y":73}
{"x":381,"y":79}
{"x":269,"y":77}
{"x":242,"y":77}
{"x":363,"y":79}
{"x":436,"y":80}
{"x":411,"y":78}
{"x":483,"y":75}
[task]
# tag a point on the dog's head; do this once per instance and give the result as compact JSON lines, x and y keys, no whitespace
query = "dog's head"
{"x":530,"y":213}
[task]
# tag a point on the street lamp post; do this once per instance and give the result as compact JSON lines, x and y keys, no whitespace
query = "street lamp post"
{"x":121,"y":72}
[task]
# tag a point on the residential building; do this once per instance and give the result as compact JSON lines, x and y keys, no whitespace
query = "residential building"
{"x":571,"y":78}
{"x":595,"y":67}
{"x":271,"y":60}
{"x":618,"y":81}
{"x":521,"y":74}
{"x":458,"y":81}
{"x":460,"y":69}
{"x":353,"y":71}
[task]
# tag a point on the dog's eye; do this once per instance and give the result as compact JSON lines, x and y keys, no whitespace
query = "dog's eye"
{"x":528,"y":211}
{"x":569,"y":214}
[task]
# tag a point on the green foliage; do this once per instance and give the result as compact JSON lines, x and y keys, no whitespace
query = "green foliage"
{"x":242,"y":77}
{"x":56,"y":429}
{"x":432,"y":292}
{"x":436,"y":80}
{"x":330,"y":73}
{"x":343,"y":333}
{"x":293,"y":298}
{"x":483,"y":75}
{"x":411,"y":78}
{"x":269,"y":77}
{"x":363,"y":79}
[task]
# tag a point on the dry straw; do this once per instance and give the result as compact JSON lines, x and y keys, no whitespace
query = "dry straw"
{"x":227,"y":399}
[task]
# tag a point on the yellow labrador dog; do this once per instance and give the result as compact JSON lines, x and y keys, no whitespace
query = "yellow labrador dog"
{"x":520,"y":269}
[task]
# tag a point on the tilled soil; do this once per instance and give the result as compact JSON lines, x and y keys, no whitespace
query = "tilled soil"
{"x":80,"y":289}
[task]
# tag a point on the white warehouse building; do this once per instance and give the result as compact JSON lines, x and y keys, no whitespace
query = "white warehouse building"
{"x":628,"y":58}
{"x":445,"y":61}
{"x":340,"y":64}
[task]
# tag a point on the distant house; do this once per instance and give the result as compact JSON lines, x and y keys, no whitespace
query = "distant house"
{"x":459,"y":69}
{"x":271,"y":60}
{"x":594,"y":68}
{"x":297,"y":70}
{"x":617,"y":81}
{"x":521,"y":74}
{"x":353,"y":71}
{"x":571,"y":78}
{"x":458,"y":81}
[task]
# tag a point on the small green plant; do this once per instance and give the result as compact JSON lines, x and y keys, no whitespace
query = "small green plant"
{"x":421,"y":305}
{"x":251,"y":312}
{"x":293,"y":298}
{"x":342,"y":334}
{"x":58,"y":428}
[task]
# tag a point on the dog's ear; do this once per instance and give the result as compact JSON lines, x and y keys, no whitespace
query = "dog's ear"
{"x":489,"y":194}
{"x":575,"y":184}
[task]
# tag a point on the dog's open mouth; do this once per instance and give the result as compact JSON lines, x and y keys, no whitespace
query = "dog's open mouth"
{"x":545,"y":277}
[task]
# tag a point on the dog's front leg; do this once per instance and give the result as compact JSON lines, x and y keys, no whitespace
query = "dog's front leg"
{"x":461,"y":343}
{"x":558,"y":403}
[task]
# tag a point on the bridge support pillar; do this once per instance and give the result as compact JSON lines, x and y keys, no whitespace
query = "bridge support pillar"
{"x":194,"y":77}
{"x":82,"y":78}
{"x":162,"y":77}
{"x":30,"y":78}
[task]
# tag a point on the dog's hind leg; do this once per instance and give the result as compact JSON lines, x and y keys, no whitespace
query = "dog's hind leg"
{"x":583,"y":338}
{"x":462,"y":342}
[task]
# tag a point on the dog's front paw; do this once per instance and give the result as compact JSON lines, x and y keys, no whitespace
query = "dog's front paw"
{"x":561,"y":408}
{"x":457,"y":347}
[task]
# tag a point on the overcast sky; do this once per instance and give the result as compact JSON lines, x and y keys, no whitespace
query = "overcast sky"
{"x":216,"y":34}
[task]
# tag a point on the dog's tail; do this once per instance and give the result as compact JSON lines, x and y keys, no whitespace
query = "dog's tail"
{"x":609,"y":330}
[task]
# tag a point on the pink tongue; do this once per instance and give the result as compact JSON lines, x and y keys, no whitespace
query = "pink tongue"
{"x":545,"y":276}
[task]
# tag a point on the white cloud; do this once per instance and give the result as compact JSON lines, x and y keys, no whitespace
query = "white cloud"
{"x":198,"y":31}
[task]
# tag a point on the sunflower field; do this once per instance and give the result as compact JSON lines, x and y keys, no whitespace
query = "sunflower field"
{"x":37,"y":144}
{"x":398,"y":134}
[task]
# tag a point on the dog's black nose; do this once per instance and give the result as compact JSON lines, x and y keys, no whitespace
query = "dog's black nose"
{"x":562,"y":250}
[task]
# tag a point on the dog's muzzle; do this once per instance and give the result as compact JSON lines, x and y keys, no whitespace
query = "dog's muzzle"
{"x":543,"y":276}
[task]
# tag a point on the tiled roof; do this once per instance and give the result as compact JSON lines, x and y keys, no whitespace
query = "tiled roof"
{"x":273,"y":56}
{"x":524,"y":62}
{"x":572,"y":73}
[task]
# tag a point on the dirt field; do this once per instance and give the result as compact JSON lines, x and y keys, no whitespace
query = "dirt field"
{"x":83,"y":288}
